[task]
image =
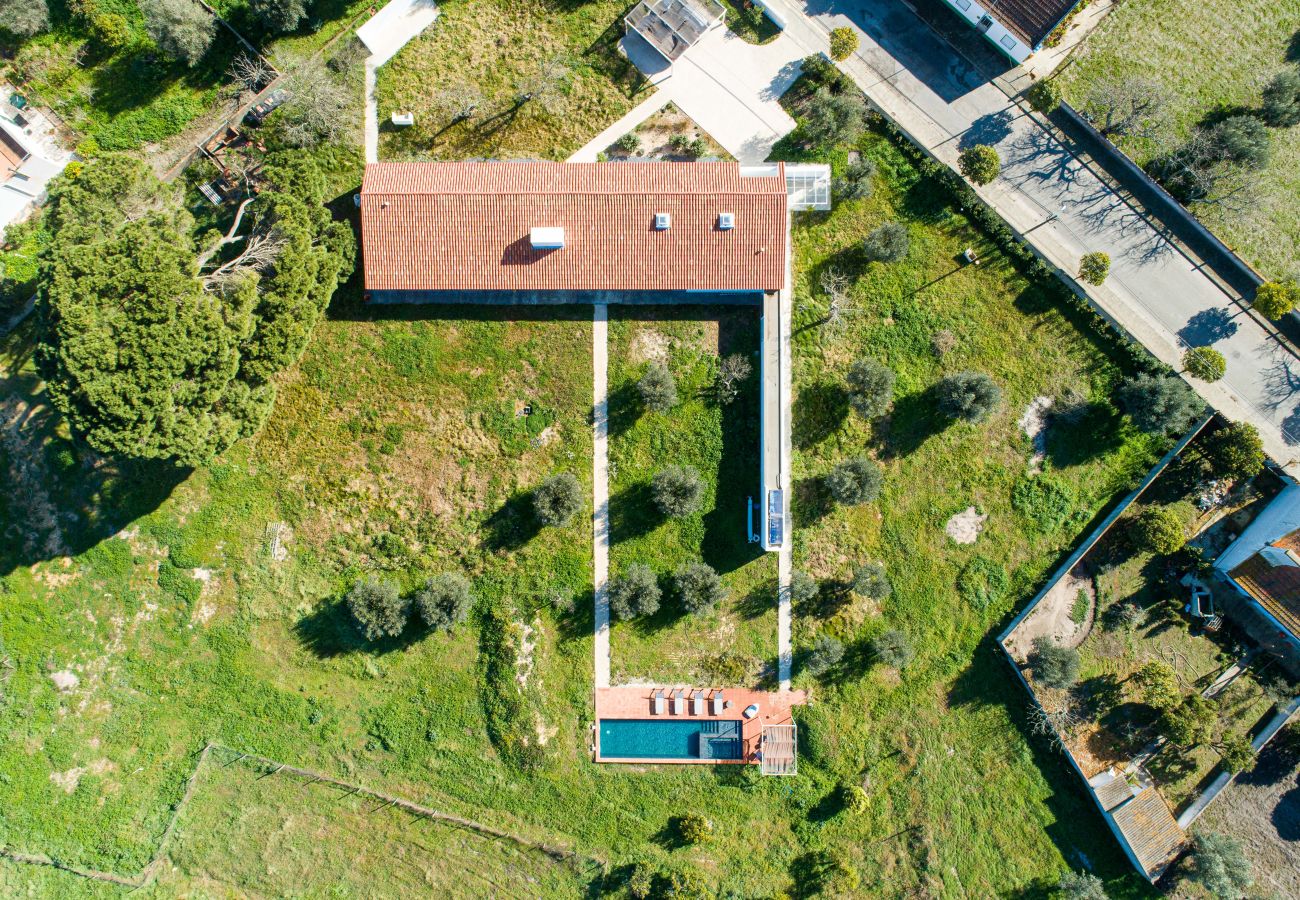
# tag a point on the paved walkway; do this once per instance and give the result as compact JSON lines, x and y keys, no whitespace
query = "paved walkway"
{"x":600,"y":486}
{"x":1154,"y":293}
{"x":384,"y":34}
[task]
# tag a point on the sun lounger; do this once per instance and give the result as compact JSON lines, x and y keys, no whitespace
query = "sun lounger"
{"x":715,"y":703}
{"x":658,"y":705}
{"x":697,"y":702}
{"x":679,"y":702}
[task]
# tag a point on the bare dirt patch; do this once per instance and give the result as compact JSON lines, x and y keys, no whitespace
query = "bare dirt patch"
{"x":1033,"y":422}
{"x":65,"y":680}
{"x":656,"y":135}
{"x":965,"y":527}
{"x":649,"y":345}
{"x":1051,"y":617}
{"x":72,"y":777}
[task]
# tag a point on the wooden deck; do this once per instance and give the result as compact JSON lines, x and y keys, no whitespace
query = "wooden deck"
{"x":638,"y":703}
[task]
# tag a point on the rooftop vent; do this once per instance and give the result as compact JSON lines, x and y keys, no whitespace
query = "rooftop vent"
{"x":663,"y":221}
{"x":726,"y":221}
{"x":547,"y":238}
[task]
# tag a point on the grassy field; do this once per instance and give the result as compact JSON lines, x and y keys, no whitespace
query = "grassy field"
{"x":1210,"y":57}
{"x":735,"y":644}
{"x":491,"y":46}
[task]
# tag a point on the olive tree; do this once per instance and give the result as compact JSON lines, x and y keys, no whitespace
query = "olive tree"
{"x":888,"y":243}
{"x":893,"y":648}
{"x":278,"y":15}
{"x":677,"y":491}
{"x":1220,"y":866}
{"x":699,"y":587}
{"x":634,"y":593}
{"x":444,"y":601}
{"x":824,"y":656}
{"x":803,"y":587}
{"x":658,"y":389}
{"x":1282,"y":99}
{"x":871,"y":388}
{"x":377,"y":608}
{"x":181,"y":28}
{"x":24,"y":18}
{"x":833,"y":119}
{"x":1080,"y":886}
{"x":970,"y":396}
{"x":855,"y":481}
{"x":557,"y":499}
{"x":855,"y":182}
{"x":1054,"y":665}
{"x":871,"y":582}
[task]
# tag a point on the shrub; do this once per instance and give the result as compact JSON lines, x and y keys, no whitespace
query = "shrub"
{"x":628,"y":143}
{"x":1158,"y":684}
{"x":658,"y":389}
{"x":24,"y":18}
{"x":1158,"y":530}
{"x":444,"y":601}
{"x":377,"y":608}
{"x":110,"y":30}
{"x":1094,"y":267}
{"x":1044,"y":96}
{"x":872,"y":582}
{"x":634,"y":593}
{"x":1220,"y":866}
{"x":820,"y":70}
{"x":678,"y":491}
{"x":893,"y":648}
{"x":825,"y":655}
{"x":1237,"y":753}
{"x":1046,"y":501}
{"x":856,"y":181}
{"x":1054,"y":665}
{"x":1080,"y":886}
{"x":1159,"y":404}
{"x":278,"y":15}
{"x":732,"y":373}
{"x":641,"y":883}
{"x":871,"y":388}
{"x":844,"y":42}
{"x":699,"y":587}
{"x":980,"y":163}
{"x":982,"y":582}
{"x":1274,"y":299}
{"x":1282,"y":99}
{"x":888,"y":243}
{"x":1190,"y":723}
{"x":803,"y":587}
{"x":970,"y":396}
{"x":558,"y":499}
{"x":1235,"y":451}
{"x":855,"y":798}
{"x":181,"y":28}
{"x":694,"y":828}
{"x":1205,"y":363}
{"x":855,"y":481}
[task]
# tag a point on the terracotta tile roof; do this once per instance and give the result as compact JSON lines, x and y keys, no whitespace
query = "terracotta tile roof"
{"x":1276,"y":588}
{"x":1031,"y":20}
{"x":465,"y":226}
{"x":12,"y":155}
{"x":1150,"y":829}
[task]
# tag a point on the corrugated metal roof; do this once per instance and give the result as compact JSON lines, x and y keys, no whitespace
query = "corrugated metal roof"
{"x":465,"y":226}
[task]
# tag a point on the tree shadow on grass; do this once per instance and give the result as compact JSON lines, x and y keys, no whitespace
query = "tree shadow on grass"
{"x":632,"y":513}
{"x":1095,"y":432}
{"x":579,"y":622}
{"x":623,"y":408}
{"x":914,"y":421}
{"x":513,"y":525}
{"x":328,"y":632}
{"x":830,"y":806}
{"x":811,"y":502}
{"x":758,"y":600}
{"x":819,"y":410}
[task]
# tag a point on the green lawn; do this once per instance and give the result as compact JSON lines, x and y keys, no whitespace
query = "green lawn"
{"x":736,"y":643}
{"x":749,"y":22}
{"x":491,"y":46}
{"x":1210,"y":57}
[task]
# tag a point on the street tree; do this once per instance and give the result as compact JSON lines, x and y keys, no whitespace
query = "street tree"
{"x":1094,"y":267}
{"x":844,"y":43}
{"x":1275,"y":299}
{"x":980,"y":163}
{"x":181,"y":28}
{"x":1205,"y":363}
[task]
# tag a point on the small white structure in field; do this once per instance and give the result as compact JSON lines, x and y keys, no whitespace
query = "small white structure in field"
{"x":403,"y":119}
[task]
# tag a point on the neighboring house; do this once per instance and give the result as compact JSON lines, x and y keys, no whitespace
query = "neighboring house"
{"x":1016,"y":27}
{"x":29,"y":157}
{"x":654,"y":232}
{"x":1141,"y":819}
{"x":672,"y":26}
{"x":1263,"y":568}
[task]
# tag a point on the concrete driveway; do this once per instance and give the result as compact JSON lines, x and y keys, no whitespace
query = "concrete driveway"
{"x":392,"y":27}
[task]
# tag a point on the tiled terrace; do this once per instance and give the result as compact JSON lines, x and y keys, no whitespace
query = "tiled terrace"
{"x":638,"y":703}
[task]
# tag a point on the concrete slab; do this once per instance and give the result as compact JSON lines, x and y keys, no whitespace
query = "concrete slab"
{"x":389,"y":30}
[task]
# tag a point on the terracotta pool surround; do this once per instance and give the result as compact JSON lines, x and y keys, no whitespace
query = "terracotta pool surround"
{"x":638,"y":703}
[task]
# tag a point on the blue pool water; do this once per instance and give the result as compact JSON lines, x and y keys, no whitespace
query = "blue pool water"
{"x":669,"y":739}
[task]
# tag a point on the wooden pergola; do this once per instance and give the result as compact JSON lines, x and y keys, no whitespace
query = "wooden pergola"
{"x":777,"y":749}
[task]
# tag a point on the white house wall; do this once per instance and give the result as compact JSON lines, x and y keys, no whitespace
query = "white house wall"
{"x":997,"y":34}
{"x":1278,"y":519}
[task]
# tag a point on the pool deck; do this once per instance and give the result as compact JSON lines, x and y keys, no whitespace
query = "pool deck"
{"x":638,"y":703}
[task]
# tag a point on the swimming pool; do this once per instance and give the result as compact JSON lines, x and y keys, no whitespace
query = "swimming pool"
{"x":670,"y":739}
